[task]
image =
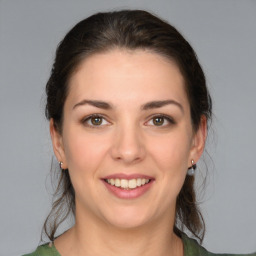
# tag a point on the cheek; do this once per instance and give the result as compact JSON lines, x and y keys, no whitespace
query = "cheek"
{"x":170,"y":155}
{"x":171,"y":152}
{"x":84,"y":153}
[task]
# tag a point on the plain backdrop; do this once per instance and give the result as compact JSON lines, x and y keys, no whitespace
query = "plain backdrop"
{"x":223,"y":33}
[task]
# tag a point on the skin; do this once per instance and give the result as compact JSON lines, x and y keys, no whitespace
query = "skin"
{"x":129,"y":141}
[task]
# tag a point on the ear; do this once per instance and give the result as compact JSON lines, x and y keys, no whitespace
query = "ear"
{"x":57,"y":143}
{"x":198,"y":142}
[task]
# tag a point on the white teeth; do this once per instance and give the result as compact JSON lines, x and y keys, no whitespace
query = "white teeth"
{"x":124,"y":183}
{"x":138,"y":182}
{"x":128,"y":184}
{"x":132,"y":183}
{"x":117,"y":183}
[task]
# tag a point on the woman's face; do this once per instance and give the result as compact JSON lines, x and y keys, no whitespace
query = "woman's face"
{"x":127,"y":123}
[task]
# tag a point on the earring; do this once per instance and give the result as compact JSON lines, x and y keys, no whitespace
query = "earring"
{"x":191,"y":169}
{"x":60,"y":164}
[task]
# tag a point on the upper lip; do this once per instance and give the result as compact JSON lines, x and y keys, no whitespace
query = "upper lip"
{"x":127,"y":176}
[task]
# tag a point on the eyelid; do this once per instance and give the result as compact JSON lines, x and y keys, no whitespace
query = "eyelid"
{"x":87,"y":118}
{"x":169,"y":119}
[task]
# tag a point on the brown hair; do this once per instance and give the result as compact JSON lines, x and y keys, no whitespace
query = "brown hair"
{"x":129,"y":29}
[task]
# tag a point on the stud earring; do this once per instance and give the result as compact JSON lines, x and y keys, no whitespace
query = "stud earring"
{"x":191,"y":169}
{"x":60,"y":164}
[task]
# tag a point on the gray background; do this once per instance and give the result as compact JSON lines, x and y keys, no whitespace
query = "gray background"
{"x":223,"y":35}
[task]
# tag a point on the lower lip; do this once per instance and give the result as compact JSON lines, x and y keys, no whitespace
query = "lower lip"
{"x":128,"y":194}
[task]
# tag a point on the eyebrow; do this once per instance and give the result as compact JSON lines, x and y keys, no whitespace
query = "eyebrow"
{"x":162,"y":103}
{"x":95,"y":103}
{"x":147,"y":106}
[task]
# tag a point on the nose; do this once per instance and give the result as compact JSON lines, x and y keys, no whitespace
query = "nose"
{"x":128,"y":145}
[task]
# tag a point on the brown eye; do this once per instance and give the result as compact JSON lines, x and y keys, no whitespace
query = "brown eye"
{"x":97,"y":120}
{"x":161,"y":121}
{"x":158,"y":121}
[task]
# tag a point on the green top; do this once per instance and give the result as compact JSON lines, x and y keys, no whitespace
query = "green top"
{"x":191,"y":248}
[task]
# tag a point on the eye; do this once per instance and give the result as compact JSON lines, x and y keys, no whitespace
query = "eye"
{"x":160,"y":120}
{"x":95,"y":120}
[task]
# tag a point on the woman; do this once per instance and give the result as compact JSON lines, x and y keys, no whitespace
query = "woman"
{"x":128,"y":108}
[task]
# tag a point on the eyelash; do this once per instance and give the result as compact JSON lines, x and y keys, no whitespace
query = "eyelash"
{"x":85,"y":121}
{"x":169,"y":119}
{"x":89,"y":118}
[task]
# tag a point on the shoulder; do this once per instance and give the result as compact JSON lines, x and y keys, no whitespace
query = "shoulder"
{"x":44,"y":250}
{"x":192,"y":248}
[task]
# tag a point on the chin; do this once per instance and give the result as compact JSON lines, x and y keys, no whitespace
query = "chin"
{"x":127,"y":224}
{"x":128,"y":218}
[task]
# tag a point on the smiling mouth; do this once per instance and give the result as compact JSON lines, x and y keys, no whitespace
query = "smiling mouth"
{"x":127,"y":184}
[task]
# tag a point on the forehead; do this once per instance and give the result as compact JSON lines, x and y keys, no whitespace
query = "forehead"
{"x":129,"y":74}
